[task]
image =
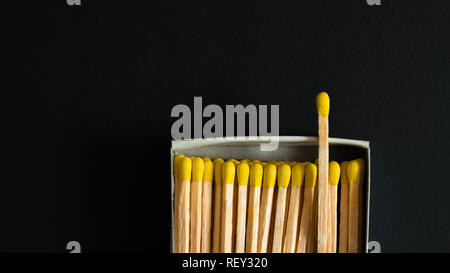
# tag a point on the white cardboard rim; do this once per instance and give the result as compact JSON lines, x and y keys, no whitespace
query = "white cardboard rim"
{"x":295,"y":140}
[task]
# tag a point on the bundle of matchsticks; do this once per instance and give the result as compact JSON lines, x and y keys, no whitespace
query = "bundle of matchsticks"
{"x":269,"y":207}
{"x":264,"y":207}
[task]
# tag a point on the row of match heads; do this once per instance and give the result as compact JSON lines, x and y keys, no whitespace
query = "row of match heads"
{"x":259,"y":173}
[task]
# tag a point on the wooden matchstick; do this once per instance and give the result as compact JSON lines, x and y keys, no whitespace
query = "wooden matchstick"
{"x":290,"y":239}
{"x":196,"y":204}
{"x":362,"y":168}
{"x":218,"y":162}
{"x":270,"y":174}
{"x":343,"y":223}
{"x":176,"y":175}
{"x":243,"y":171}
{"x":228,"y":173}
{"x":183,"y":205}
{"x":306,"y":223}
{"x":333,"y":181}
{"x":256,"y":174}
{"x":206,"y":206}
{"x":353,"y":174}
{"x":323,"y":108}
{"x":284,"y":177}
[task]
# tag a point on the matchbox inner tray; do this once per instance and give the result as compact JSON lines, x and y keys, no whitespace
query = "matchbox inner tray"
{"x":298,"y":148}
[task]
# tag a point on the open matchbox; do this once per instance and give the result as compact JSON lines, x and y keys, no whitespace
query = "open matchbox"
{"x":298,"y":148}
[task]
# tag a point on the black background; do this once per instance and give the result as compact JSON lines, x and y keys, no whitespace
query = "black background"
{"x":86,"y":94}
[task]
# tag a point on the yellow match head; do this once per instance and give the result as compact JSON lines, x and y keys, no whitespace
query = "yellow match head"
{"x":209,"y":171}
{"x":298,"y":174}
{"x":263,"y":164}
{"x":323,"y":104}
{"x":228,"y":172}
{"x":270,"y":176}
{"x":284,"y":176}
{"x":344,"y":177}
{"x":218,"y":162}
{"x":176,"y":165}
{"x":256,"y":175}
{"x":243,"y":171}
{"x":185,"y":168}
{"x":206,"y":158}
{"x":362,"y":168}
{"x":245,"y":160}
{"x":310,"y":175}
{"x":353,"y":171}
{"x":198,"y":168}
{"x":316,"y":162}
{"x":334,"y":173}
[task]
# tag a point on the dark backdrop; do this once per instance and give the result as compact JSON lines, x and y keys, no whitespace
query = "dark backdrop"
{"x":86,"y":94}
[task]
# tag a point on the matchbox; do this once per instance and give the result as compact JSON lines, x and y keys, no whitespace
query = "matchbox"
{"x":298,"y":148}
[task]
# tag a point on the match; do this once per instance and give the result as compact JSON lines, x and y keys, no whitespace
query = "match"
{"x":242,"y":175}
{"x":256,"y":174}
{"x":323,"y":109}
{"x":298,"y":173}
{"x":196,"y":204}
{"x":335,"y":171}
{"x":353,"y":174}
{"x":270,"y":175}
{"x":306,"y":223}
{"x":185,"y":170}
{"x":228,"y":173}
{"x":176,"y":174}
{"x":284,"y":177}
